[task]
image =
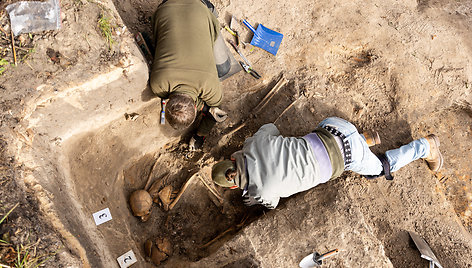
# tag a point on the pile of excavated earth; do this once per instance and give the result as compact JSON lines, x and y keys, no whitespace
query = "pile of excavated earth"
{"x":80,"y":133}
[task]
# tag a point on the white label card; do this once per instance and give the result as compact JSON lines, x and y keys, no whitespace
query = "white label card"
{"x":102,"y":216}
{"x":127,"y":259}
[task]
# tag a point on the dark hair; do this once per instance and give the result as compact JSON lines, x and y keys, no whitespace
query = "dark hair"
{"x":231,"y":174}
{"x":180,"y":111}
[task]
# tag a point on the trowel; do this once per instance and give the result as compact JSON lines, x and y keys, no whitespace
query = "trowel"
{"x":425,"y":250}
{"x":315,"y":259}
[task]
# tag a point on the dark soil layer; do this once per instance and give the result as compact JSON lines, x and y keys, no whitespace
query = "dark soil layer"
{"x":25,"y":233}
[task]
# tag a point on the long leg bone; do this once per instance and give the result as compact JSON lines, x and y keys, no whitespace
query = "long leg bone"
{"x":282,"y":81}
{"x":287,"y":108}
{"x":213,"y":191}
{"x":230,"y":229}
{"x":150,"y":174}
{"x":182,"y":190}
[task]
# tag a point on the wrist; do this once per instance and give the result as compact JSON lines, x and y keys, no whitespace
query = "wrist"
{"x":205,"y":108}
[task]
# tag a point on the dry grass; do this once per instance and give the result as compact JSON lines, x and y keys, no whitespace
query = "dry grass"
{"x":8,"y":213}
{"x":21,"y":256}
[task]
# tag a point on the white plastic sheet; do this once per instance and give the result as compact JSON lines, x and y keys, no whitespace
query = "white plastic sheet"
{"x":34,"y":16}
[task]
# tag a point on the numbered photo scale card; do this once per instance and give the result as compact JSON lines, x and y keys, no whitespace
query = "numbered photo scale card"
{"x":127,"y":259}
{"x":102,"y":216}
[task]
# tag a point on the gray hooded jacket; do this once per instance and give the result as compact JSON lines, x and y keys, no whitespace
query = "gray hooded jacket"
{"x":271,"y":166}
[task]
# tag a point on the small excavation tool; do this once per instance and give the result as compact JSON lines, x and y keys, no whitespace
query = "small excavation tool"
{"x":233,"y":33}
{"x":249,"y":70}
{"x":239,"y":52}
{"x":425,"y":250}
{"x":163,"y":111}
{"x":143,"y":45}
{"x":247,"y":66}
{"x":315,"y":259}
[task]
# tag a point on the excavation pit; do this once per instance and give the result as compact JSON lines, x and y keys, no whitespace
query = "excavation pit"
{"x":104,"y":176}
{"x":81,"y":154}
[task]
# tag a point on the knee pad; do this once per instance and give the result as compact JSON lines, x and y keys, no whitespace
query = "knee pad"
{"x":385,"y":169}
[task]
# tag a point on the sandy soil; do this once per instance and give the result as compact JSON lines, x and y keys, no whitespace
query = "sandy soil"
{"x":46,"y":58}
{"x":402,"y":69}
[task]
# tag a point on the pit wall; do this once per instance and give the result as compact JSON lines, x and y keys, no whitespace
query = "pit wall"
{"x":81,"y":109}
{"x":67,"y":111}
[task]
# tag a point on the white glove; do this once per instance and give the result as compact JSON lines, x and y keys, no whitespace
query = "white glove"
{"x":218,"y":114}
{"x":196,"y":143}
{"x":191,"y":145}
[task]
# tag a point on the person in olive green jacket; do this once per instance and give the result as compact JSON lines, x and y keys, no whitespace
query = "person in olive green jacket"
{"x":184,"y":69}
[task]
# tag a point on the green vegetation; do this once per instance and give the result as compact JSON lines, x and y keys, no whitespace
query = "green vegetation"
{"x":24,"y":259}
{"x":3,"y":67}
{"x":21,"y":256}
{"x":8,"y":213}
{"x":107,"y":29}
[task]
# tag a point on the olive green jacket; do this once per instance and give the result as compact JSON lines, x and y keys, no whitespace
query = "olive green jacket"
{"x":185,"y":31}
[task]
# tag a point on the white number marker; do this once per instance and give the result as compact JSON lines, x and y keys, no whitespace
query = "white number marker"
{"x":102,"y":216}
{"x":127,"y":259}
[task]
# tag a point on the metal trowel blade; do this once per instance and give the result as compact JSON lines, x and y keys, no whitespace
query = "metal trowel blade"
{"x":425,"y":250}
{"x":308,"y":262}
{"x":233,"y":22}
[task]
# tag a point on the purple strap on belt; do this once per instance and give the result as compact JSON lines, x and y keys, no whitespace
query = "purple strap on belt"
{"x":320,"y":153}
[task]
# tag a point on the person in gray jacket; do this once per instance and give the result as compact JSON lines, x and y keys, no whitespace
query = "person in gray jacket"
{"x":271,"y":166}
